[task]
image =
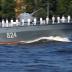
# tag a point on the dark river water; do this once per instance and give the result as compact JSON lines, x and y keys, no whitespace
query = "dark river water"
{"x":42,"y":57}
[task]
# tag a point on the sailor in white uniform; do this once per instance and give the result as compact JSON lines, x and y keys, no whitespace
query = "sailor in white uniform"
{"x":47,"y":20}
{"x":12,"y":22}
{"x":41,"y":21}
{"x":58,"y":19}
{"x":3,"y":23}
{"x":68,"y":18}
{"x":22,"y":21}
{"x":29,"y":20}
{"x":35,"y":21}
{"x":63,"y":19}
{"x":53,"y":20}
{"x":7,"y":23}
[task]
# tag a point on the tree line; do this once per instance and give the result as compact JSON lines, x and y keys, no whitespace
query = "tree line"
{"x":51,"y":7}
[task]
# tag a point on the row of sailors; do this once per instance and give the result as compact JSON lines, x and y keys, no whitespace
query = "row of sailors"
{"x":63,"y":20}
{"x":59,"y":20}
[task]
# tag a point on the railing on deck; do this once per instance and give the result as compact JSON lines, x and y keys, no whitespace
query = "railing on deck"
{"x":54,"y":20}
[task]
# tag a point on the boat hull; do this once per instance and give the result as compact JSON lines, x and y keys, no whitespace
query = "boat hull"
{"x":13,"y":35}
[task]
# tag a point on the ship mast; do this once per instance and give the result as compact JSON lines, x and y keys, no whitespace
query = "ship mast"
{"x":47,"y":9}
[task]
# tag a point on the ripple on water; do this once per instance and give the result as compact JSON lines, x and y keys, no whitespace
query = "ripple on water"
{"x":45,"y":57}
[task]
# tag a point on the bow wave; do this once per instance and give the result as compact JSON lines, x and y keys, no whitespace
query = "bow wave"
{"x":51,"y":38}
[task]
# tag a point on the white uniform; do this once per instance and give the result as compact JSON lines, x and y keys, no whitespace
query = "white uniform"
{"x":58,"y":19}
{"x":3,"y":23}
{"x":29,"y":22}
{"x":47,"y":20}
{"x":7,"y":23}
{"x":22,"y":22}
{"x":41,"y":21}
{"x":17,"y":22}
{"x":68,"y":19}
{"x":63,"y":19}
{"x":53,"y":19}
{"x":35,"y":21}
{"x":11,"y":22}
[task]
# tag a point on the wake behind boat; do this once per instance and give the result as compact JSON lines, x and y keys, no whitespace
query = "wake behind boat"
{"x":33,"y":30}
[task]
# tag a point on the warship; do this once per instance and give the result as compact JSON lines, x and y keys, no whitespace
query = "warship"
{"x":28,"y":29}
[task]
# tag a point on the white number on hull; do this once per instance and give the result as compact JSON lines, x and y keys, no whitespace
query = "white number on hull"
{"x":11,"y":35}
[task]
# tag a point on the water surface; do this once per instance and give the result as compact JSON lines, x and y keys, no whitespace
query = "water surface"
{"x":42,"y":57}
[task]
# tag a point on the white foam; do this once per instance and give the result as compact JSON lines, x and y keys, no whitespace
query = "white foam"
{"x":51,"y":38}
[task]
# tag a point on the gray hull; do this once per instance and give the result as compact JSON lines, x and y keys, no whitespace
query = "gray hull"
{"x":29,"y":33}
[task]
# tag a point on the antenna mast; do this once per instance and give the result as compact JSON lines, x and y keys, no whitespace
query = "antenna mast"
{"x":47,"y":9}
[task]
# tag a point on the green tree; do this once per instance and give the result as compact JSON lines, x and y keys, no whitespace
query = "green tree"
{"x":8,"y":8}
{"x":64,"y":7}
{"x":37,"y":4}
{"x":0,"y":8}
{"x":69,"y":12}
